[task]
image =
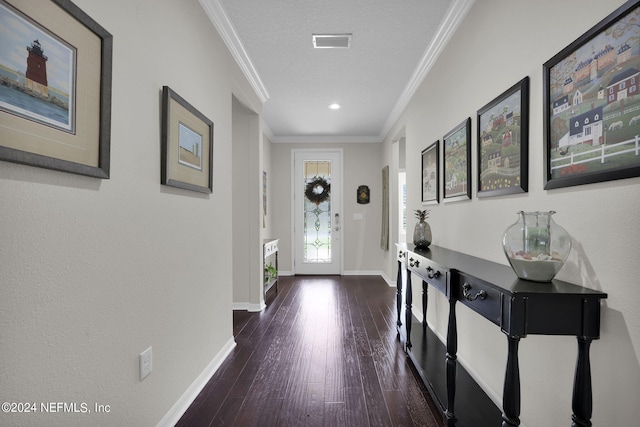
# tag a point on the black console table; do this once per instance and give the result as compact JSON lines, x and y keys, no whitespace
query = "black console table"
{"x":270,"y":248}
{"x":518,"y":307}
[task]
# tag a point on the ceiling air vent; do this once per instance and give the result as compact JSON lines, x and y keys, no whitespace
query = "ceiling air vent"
{"x":328,"y":41}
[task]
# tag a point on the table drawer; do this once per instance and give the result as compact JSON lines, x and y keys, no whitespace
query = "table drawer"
{"x":270,"y":248}
{"x":480,"y":297}
{"x":429,"y":271}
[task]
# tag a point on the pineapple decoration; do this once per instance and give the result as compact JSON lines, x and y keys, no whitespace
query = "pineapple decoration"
{"x":422,"y":232}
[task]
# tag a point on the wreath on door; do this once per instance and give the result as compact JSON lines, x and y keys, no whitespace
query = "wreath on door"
{"x":317,"y":191}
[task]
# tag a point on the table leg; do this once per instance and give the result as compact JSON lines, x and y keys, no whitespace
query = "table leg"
{"x":511,"y":394}
{"x":399,"y":293}
{"x":425,"y":289}
{"x":451,"y":364}
{"x":582,"y":395}
{"x":409,"y":301}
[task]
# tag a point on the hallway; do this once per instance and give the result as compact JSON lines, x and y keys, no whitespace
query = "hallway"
{"x":323,"y":353}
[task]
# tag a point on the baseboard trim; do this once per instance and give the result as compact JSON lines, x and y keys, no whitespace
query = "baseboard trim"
{"x":187,"y":398}
{"x":247,"y":306}
{"x":362,"y":273}
{"x":350,"y":273}
{"x":391,"y":283}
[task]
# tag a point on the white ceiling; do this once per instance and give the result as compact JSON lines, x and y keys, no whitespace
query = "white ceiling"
{"x":394,"y":44}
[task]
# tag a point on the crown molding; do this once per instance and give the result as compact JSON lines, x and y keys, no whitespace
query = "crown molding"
{"x":222,"y":23}
{"x":316,"y":139}
{"x":323,"y":139}
{"x":456,"y":13}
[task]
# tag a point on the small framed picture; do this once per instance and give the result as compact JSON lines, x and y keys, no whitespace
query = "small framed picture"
{"x":503,"y":143}
{"x":363,"y":195}
{"x":187,"y":145}
{"x":55,"y":88}
{"x":457,"y":162}
{"x":592,"y":104}
{"x":430,"y":174}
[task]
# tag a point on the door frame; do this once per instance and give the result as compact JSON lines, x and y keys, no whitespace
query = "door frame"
{"x":340,"y":152}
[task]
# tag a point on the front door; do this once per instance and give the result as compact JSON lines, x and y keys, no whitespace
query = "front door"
{"x":317,"y":215}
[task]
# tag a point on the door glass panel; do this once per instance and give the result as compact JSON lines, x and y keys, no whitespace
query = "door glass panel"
{"x":317,"y":211}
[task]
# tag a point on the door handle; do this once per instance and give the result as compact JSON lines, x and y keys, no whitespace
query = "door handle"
{"x":336,"y":222}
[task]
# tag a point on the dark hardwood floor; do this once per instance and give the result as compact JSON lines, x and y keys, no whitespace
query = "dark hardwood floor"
{"x":323,"y":353}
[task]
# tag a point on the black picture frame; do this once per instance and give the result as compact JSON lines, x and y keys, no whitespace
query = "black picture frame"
{"x":84,"y":147}
{"x":363,"y":195}
{"x":503,"y":143}
{"x":187,"y":145}
{"x":592,"y":104}
{"x":431,"y":174}
{"x":456,"y":147}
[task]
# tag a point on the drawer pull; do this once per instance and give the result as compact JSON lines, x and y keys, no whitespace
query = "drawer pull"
{"x":465,"y":292}
{"x":432,"y":274}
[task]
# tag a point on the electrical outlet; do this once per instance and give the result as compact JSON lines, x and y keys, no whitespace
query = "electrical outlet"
{"x":146,"y":363}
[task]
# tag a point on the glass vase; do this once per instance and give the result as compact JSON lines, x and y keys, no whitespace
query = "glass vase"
{"x":422,"y":235}
{"x":536,"y":247}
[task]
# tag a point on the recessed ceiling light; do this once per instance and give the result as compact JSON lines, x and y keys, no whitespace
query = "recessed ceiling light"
{"x":334,"y":106}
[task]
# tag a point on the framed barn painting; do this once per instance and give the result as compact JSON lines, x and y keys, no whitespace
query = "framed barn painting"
{"x":55,"y":87}
{"x":187,"y":145}
{"x":430,"y":174}
{"x":592,"y":104}
{"x":457,"y":162}
{"x":503,"y":143}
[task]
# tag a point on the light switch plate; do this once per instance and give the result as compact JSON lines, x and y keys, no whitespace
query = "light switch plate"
{"x":146,"y":363}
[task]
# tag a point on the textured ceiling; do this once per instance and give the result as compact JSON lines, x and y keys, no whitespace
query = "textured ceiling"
{"x":392,"y":42}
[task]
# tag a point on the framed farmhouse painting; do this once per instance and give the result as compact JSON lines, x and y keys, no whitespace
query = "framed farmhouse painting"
{"x":503,"y":143}
{"x":430,"y":173}
{"x":187,"y":145}
{"x":592,"y":104}
{"x":457,"y":162}
{"x":55,"y":87}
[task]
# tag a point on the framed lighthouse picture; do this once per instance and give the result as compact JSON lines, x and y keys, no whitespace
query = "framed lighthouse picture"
{"x":55,"y":87}
{"x":592,"y":104}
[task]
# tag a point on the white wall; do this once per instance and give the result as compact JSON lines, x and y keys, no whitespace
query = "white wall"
{"x":499,"y":43}
{"x":95,"y":271}
{"x":394,"y":154}
{"x":361,"y":238}
{"x":266,"y":167}
{"x":247,"y":209}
